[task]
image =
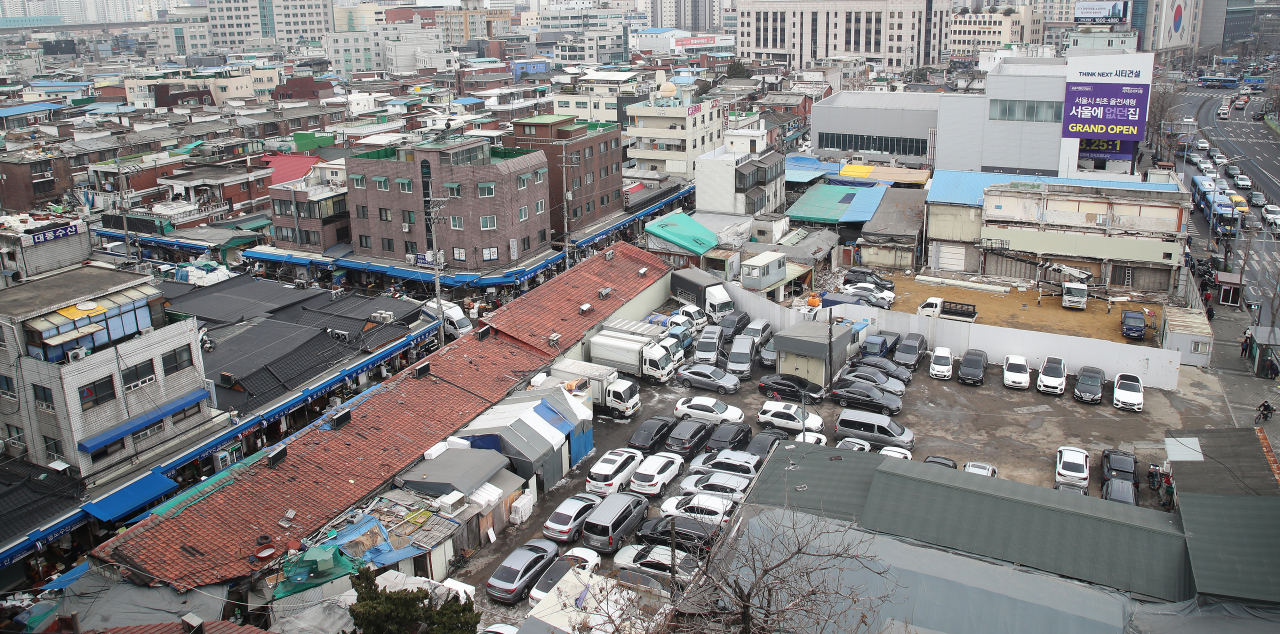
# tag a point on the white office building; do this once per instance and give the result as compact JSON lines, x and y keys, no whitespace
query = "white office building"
{"x":897,"y":35}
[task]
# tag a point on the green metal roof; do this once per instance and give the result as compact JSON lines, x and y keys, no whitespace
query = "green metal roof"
{"x":832,"y":482}
{"x":1231,"y":540}
{"x":684,"y":232}
{"x":1125,"y":547}
{"x":823,"y":203}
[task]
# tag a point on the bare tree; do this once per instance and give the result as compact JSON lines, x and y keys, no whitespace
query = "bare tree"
{"x":1161,"y":109}
{"x":778,"y":570}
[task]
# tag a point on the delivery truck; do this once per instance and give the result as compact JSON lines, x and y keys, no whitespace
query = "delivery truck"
{"x":669,"y":344}
{"x":455,"y":322}
{"x":618,"y":398}
{"x":630,"y":355}
{"x":696,"y":287}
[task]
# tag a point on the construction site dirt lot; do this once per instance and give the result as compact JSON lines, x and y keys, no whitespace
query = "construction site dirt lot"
{"x":1006,"y":309}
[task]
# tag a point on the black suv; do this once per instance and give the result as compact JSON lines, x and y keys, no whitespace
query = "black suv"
{"x":729,"y":436}
{"x":1089,"y":382}
{"x":650,"y":435}
{"x":691,"y":536}
{"x":909,"y":351}
{"x":733,"y":324}
{"x":689,"y":437}
{"x":973,"y":367}
{"x":858,"y":274}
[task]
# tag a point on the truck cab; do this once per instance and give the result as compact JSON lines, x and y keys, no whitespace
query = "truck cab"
{"x":718,"y":303}
{"x":674,"y":349}
{"x":1074,"y":295}
{"x":695,"y":314}
{"x":622,"y":397}
{"x":657,"y":363}
{"x":684,"y":335}
{"x":1133,"y":324}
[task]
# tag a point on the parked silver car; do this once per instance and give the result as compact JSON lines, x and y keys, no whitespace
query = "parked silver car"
{"x":707,"y":377}
{"x":741,"y":356}
{"x":511,"y":582}
{"x":878,"y":379}
{"x":565,"y":523}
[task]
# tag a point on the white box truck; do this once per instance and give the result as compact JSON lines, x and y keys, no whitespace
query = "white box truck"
{"x":696,"y":287}
{"x":631,"y":355}
{"x":619,"y":398}
{"x":656,"y":334}
{"x":456,"y":323}
{"x":669,"y":344}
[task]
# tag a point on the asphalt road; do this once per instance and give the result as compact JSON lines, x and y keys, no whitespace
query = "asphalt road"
{"x":1255,"y":148}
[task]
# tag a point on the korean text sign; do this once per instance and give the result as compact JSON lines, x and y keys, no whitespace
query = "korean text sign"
{"x":1105,"y":111}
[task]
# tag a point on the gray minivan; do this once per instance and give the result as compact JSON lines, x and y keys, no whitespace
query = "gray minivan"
{"x":877,"y":429}
{"x":741,"y":356}
{"x":612,"y":520}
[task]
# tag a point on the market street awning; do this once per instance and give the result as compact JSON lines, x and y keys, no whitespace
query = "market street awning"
{"x":67,"y":578}
{"x":626,"y":220}
{"x":133,"y":496}
{"x":194,"y":247}
{"x":94,"y":443}
{"x":270,"y":254}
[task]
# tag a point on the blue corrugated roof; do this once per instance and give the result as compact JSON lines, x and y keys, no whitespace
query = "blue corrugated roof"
{"x":801,"y":162}
{"x":965,"y":188}
{"x":864,"y":204}
{"x":28,"y":108}
{"x":803,"y":176}
{"x":683,"y":79}
{"x":466,"y":101}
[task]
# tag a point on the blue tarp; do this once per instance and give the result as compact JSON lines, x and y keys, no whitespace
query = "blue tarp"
{"x":864,"y":204}
{"x":804,"y":176}
{"x":28,"y":109}
{"x":92,"y":444}
{"x":557,"y":420}
{"x":132,"y":497}
{"x":379,"y":552}
{"x":487,"y":441}
{"x":804,"y":162}
{"x":69,"y":577}
{"x":466,"y":101}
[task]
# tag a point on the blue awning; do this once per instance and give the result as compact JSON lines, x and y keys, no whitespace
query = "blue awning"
{"x":553,"y":417}
{"x":158,"y":242}
{"x":133,"y":496}
{"x":92,"y":444}
{"x":287,"y":258}
{"x":68,"y":523}
{"x":67,"y":578}
{"x":632,"y":218}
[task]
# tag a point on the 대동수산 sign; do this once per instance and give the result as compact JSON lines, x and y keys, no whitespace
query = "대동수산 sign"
{"x":1105,"y":111}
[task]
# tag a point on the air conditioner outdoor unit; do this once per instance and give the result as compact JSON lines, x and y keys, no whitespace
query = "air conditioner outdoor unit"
{"x":404,"y":226}
{"x":76,"y":354}
{"x":410,"y":258}
{"x":340,"y":335}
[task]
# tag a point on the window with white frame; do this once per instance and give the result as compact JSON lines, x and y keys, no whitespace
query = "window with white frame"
{"x":488,"y":223}
{"x":485,"y":190}
{"x":455,"y":222}
{"x":524,"y":213}
{"x":459,"y":254}
{"x":488,"y":254}
{"x":540,"y":206}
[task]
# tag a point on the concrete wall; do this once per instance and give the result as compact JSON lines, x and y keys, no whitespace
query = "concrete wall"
{"x":1158,"y":368}
{"x":954,"y":223}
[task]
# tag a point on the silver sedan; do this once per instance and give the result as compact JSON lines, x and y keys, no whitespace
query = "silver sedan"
{"x":867,"y":374}
{"x":707,"y":377}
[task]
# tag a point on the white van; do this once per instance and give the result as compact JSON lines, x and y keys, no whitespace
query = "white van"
{"x":455,"y":322}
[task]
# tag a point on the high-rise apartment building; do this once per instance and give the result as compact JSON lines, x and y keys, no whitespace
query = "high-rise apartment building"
{"x":267,"y":23}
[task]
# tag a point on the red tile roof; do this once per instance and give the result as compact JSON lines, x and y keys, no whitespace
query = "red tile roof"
{"x":553,"y":306}
{"x":210,"y":627}
{"x":290,"y":166}
{"x":211,"y":539}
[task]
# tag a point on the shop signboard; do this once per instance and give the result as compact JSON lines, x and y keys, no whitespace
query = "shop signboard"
{"x":1106,"y":97}
{"x":1114,"y":12}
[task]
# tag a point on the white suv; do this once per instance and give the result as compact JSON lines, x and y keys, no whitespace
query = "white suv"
{"x":656,"y":472}
{"x":613,"y":470}
{"x":787,"y":416}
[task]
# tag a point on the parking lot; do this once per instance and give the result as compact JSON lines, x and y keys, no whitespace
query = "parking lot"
{"x":1017,"y":431}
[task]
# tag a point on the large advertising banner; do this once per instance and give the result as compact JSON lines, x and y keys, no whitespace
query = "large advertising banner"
{"x":1102,"y":12}
{"x":1175,"y":25}
{"x":1106,"y":97}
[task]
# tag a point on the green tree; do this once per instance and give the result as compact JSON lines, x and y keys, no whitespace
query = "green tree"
{"x":737,"y":71}
{"x":408,"y":612}
{"x":1009,"y":11}
{"x":964,"y":10}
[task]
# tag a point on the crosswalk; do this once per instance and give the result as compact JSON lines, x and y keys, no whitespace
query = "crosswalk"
{"x":1211,"y":93}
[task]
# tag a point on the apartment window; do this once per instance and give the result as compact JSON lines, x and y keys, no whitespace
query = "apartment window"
{"x":384,"y":214}
{"x":410,"y":246}
{"x":613,"y":143}
{"x":542,"y":236}
{"x":530,"y":129}
{"x":176,"y":359}
{"x":488,"y":223}
{"x":523,"y":214}
{"x":1200,"y":347}
{"x":115,"y":447}
{"x":43,"y":395}
{"x":244,"y":187}
{"x":538,"y":175}
{"x":581,"y":104}
{"x":485,"y":189}
{"x":52,"y":448}
{"x":194,"y":410}
{"x":455,"y":222}
{"x":590,"y":151}
{"x":406,"y":216}
{"x":406,"y":185}
{"x":562,"y":104}
{"x":459,"y":254}
{"x":591,"y":176}
{"x":148,"y":431}
{"x":310,"y":237}
{"x":524,"y":244}
{"x":577,"y":183}
{"x":388,"y":245}
{"x":134,"y":377}
{"x":522,"y":181}
{"x":604,"y":173}
{"x":489,"y":254}
{"x":383,"y":183}
{"x":362,"y":211}
{"x":453,"y":190}
{"x":356,"y":181}
{"x":7,"y":388}
{"x":16,"y":433}
{"x":604,"y":200}
{"x":614,"y":168}
{"x":617,"y":193}
{"x":366,"y":242}
{"x":3,"y":342}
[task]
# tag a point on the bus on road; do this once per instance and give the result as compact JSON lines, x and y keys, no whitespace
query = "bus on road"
{"x":1209,"y":81}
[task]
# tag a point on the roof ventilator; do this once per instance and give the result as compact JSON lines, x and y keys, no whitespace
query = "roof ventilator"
{"x":422,"y":370}
{"x":605,"y":292}
{"x":582,"y":310}
{"x":276,"y":457}
{"x":643,"y":271}
{"x":608,"y":255}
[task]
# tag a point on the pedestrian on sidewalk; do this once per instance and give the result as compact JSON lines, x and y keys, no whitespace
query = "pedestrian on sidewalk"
{"x":1273,"y":370}
{"x":1208,"y":297}
{"x":1244,"y":347}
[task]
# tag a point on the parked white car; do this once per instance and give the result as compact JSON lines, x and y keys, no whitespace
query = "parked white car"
{"x":896,"y":452}
{"x":1053,"y":376}
{"x":812,"y":438}
{"x":787,"y":416}
{"x":854,"y":444}
{"x":872,"y":289}
{"x":613,"y":470}
{"x":1017,"y":374}
{"x":1073,"y":467}
{"x":981,"y":468}
{"x":656,"y":562}
{"x":707,"y":408}
{"x":656,"y":472}
{"x":706,"y":508}
{"x":1244,"y":182}
{"x":1271,"y":217}
{"x":725,"y":485}
{"x":940,"y":364}
{"x":1127,"y":392}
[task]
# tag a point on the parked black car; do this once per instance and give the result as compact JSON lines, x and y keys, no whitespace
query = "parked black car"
{"x":884,"y":365}
{"x":1089,"y":382}
{"x":691,"y":536}
{"x":651,"y":434}
{"x":1119,"y":491}
{"x":941,"y":461}
{"x":790,"y":387}
{"x":764,"y":441}
{"x":973,"y":367}
{"x":908,"y":353}
{"x":847,"y":393}
{"x":689,"y":437}
{"x":733,"y":324}
{"x":1119,"y":465}
{"x":859,"y":274}
{"x":729,"y":436}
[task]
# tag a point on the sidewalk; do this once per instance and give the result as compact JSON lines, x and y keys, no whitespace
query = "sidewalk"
{"x":1243,"y":390}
